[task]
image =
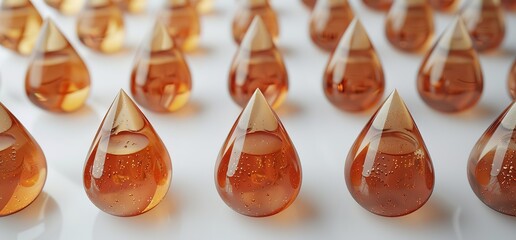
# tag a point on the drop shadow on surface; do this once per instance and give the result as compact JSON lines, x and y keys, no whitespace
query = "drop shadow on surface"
{"x":480,"y":111}
{"x":500,"y":52}
{"x":40,"y":220}
{"x":301,"y":212}
{"x":201,"y":51}
{"x":157,"y":222}
{"x":286,"y":50}
{"x":191,"y":109}
{"x":289,"y":109}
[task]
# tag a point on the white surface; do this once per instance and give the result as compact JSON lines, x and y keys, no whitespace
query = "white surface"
{"x":321,"y":133}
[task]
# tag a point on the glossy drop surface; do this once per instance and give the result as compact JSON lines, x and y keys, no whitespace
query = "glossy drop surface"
{"x":388,"y":170}
{"x":485,"y":22}
{"x":492,"y":164}
{"x":247,"y":11}
{"x":258,"y":172}
{"x":161,"y":79}
{"x":182,"y":23}
{"x":68,"y":7}
{"x":202,"y":6}
{"x":57,"y":79}
{"x":381,"y":5}
{"x":450,"y":78}
{"x":509,"y":5}
{"x":128,"y":169}
{"x":444,"y":5}
{"x":20,"y":23}
{"x":328,"y":22}
{"x":309,"y":3}
{"x":100,"y":26}
{"x":512,"y":80}
{"x":133,"y":6}
{"x":410,"y":25}
{"x":258,"y":65}
{"x":354,"y":79}
{"x":23,"y":168}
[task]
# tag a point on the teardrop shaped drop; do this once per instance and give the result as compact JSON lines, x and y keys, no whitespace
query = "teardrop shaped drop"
{"x":100,"y":26}
{"x":161,"y":79}
{"x":512,"y":80}
{"x":258,"y":172}
{"x":23,"y":168}
{"x":247,"y":11}
{"x":485,"y":22}
{"x":133,"y":6}
{"x":492,"y":163}
{"x":388,"y":170}
{"x":309,"y":3}
{"x":258,"y":65}
{"x":354,"y":79}
{"x":128,"y":168}
{"x":450,"y":78}
{"x":182,"y":23}
{"x":510,"y":5}
{"x":328,"y":22}
{"x":68,"y":7}
{"x":444,"y":5}
{"x":57,"y":79}
{"x":380,"y":5}
{"x":20,"y":23}
{"x":410,"y":25}
{"x":202,"y":6}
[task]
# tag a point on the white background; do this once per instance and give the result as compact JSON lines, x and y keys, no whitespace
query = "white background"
{"x":321,"y":133}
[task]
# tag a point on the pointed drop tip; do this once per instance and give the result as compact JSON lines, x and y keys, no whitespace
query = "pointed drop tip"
{"x":395,"y":95}
{"x":258,"y":93}
{"x":257,"y":36}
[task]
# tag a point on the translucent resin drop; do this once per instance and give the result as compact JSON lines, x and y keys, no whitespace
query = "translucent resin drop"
{"x":509,"y":5}
{"x":133,"y":6}
{"x":381,"y":5}
{"x":57,"y":79}
{"x":100,"y":26}
{"x":450,"y":78}
{"x":202,"y":6}
{"x":354,"y":79}
{"x":328,"y":22}
{"x":128,"y":169}
{"x":182,"y":23}
{"x":444,"y":5}
{"x":512,"y":80}
{"x":492,"y":164}
{"x":247,"y":11}
{"x":485,"y":22}
{"x":19,"y":25}
{"x":410,"y":25}
{"x":388,"y":170}
{"x":161,"y":78}
{"x":67,"y":7}
{"x":23,"y":168}
{"x":258,"y":172}
{"x":309,"y":3}
{"x":258,"y":65}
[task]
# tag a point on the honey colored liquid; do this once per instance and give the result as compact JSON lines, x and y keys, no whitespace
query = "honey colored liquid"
{"x":101,"y":28}
{"x":486,"y":26}
{"x":414,"y":32}
{"x":455,"y":84}
{"x":509,"y":5}
{"x":259,"y":175}
{"x":443,"y":5}
{"x":326,"y":30}
{"x":19,"y":27}
{"x":391,"y":176}
{"x":378,"y":4}
{"x":310,"y":3}
{"x":260,"y":69}
{"x":183,"y":26}
{"x":126,"y":175}
{"x":244,"y":18}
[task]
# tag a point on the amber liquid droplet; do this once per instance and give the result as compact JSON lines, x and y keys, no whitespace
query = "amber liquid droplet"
{"x":133,"y":6}
{"x":509,"y":5}
{"x":128,"y":169}
{"x":512,"y":80}
{"x":182,"y":23}
{"x":100,"y":26}
{"x":410,"y":25}
{"x":381,"y":5}
{"x":67,"y":7}
{"x":19,"y":25}
{"x":202,"y":6}
{"x":258,"y":172}
{"x":492,"y":164}
{"x":258,"y":65}
{"x":328,"y":22}
{"x":444,"y":5}
{"x":23,"y":168}
{"x":57,"y":79}
{"x":485,"y":22}
{"x":309,"y":3}
{"x":354,"y":79}
{"x":388,"y":170}
{"x":450,"y":78}
{"x":161,"y":78}
{"x":247,"y":11}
